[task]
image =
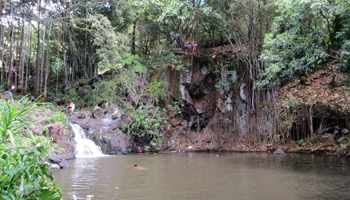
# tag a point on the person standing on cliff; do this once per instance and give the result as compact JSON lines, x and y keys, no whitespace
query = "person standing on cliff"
{"x":71,"y":106}
{"x":194,"y":46}
{"x":190,"y":47}
{"x":186,"y":47}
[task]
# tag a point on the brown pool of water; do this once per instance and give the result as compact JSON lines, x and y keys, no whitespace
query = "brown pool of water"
{"x":207,"y":176}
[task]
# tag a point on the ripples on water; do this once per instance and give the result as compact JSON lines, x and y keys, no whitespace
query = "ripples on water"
{"x":205,"y":176}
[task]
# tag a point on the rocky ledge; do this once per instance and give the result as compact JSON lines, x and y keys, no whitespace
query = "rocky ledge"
{"x":103,"y":127}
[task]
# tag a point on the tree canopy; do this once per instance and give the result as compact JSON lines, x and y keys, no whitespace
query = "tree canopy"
{"x":306,"y":35}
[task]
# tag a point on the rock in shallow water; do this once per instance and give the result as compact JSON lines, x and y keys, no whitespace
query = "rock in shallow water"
{"x":54,"y":166}
{"x":57,"y":160}
{"x":279,"y":152}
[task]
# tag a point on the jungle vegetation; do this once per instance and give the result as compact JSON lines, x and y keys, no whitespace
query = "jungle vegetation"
{"x":54,"y":48}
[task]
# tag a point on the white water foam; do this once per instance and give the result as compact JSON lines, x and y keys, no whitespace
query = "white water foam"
{"x":84,"y":148}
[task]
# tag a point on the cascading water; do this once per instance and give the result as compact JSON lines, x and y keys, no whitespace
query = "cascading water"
{"x":84,"y":148}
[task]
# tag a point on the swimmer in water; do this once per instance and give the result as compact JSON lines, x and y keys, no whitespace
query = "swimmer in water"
{"x":137,"y":167}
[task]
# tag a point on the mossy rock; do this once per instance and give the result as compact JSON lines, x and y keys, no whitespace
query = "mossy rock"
{"x":60,"y":101}
{"x":347,"y":147}
{"x":85,"y":90}
{"x":343,"y":140}
{"x":303,"y":80}
{"x":94,"y":80}
{"x":327,"y":146}
{"x":82,"y":82}
{"x":158,"y":74}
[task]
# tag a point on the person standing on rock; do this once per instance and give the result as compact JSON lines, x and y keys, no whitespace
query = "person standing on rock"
{"x":186,"y":47}
{"x":194,"y":47}
{"x":71,"y":106}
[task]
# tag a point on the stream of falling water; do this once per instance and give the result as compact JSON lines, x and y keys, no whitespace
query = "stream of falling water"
{"x":84,"y":147}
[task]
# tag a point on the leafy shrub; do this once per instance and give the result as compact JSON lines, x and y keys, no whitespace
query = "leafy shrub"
{"x":46,"y":131}
{"x":178,"y":65}
{"x":23,"y":171}
{"x":50,"y":106}
{"x":59,"y":118}
{"x":2,"y":88}
{"x":303,"y":37}
{"x":227,"y":77}
{"x":158,"y":91}
{"x":151,"y":121}
{"x":301,"y":143}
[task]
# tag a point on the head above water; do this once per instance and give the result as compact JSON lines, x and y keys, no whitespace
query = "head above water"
{"x":135,"y":165}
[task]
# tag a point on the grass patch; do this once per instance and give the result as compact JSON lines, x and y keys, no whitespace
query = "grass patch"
{"x":59,"y":118}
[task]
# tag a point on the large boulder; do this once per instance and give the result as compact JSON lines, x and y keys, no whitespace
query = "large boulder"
{"x":326,"y":138}
{"x":63,"y":139}
{"x":58,"y":160}
{"x":114,"y":143}
{"x":82,"y":82}
{"x":7,"y":95}
{"x":84,"y":115}
{"x":279,"y":152}
{"x":97,"y":113}
{"x":64,"y":88}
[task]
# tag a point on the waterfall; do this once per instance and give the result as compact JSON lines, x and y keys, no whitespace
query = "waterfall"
{"x":84,"y":148}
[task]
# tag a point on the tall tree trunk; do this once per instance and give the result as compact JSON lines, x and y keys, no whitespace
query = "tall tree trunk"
{"x":15,"y":68}
{"x":74,"y":59}
{"x":47,"y":65}
{"x":133,"y":38}
{"x":65,"y":65}
{"x":28,"y":57}
{"x":20,"y":58}
{"x":2,"y":34}
{"x":37,"y":71}
{"x":17,"y":53}
{"x":58,"y":41}
{"x":11,"y":57}
{"x":23,"y":58}
{"x":91,"y":72}
{"x":42,"y":60}
{"x":179,"y":38}
{"x":86,"y":65}
{"x":2,"y":7}
{"x":64,"y":57}
{"x":2,"y":56}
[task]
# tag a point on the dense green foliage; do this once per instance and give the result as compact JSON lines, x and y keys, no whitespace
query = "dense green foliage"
{"x":151,"y":121}
{"x":59,"y":118}
{"x":133,"y":42}
{"x":24,"y":173}
{"x":99,"y":53}
{"x":307,"y":34}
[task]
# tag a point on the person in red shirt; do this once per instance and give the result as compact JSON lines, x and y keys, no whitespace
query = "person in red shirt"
{"x":71,"y":106}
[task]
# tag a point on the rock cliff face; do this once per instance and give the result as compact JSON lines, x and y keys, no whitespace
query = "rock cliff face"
{"x":225,"y":116}
{"x":60,"y":134}
{"x":214,"y":116}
